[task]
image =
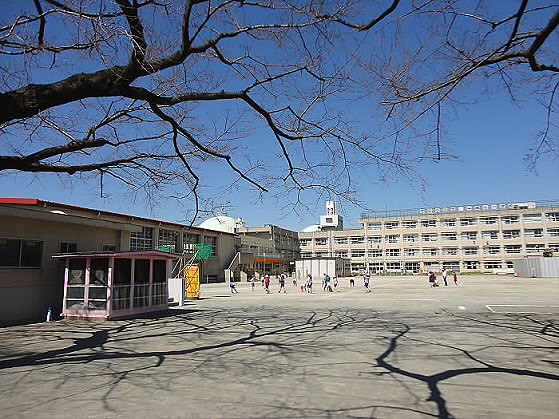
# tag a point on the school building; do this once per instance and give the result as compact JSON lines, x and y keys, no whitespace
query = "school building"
{"x":471,"y":238}
{"x":32,"y":231}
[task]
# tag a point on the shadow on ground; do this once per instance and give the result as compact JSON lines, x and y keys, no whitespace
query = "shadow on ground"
{"x":272,"y":362}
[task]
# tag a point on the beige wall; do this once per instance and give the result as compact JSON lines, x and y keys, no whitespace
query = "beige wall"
{"x":26,"y":293}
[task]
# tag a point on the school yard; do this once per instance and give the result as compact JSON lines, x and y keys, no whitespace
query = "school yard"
{"x":488,"y":347}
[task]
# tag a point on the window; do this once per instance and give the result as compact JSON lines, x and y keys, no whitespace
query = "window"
{"x":411,"y":266}
{"x":358,"y":253}
{"x":357,"y":239}
{"x":532,"y":218}
{"x":428,"y":223}
{"x":452,"y":266}
{"x":393,"y":266}
{"x":340,"y":240}
{"x":377,"y":253}
{"x":470,"y":250}
{"x":492,"y":265}
{"x":450,"y":251}
{"x":66,"y":247}
{"x":410,"y":238}
{"x":211,"y":241}
{"x":464,"y":222}
{"x":357,"y":267}
{"x":553,"y":232}
{"x":321,"y":241}
{"x":304,"y":242}
{"x":513,"y":248}
{"x":491,"y":250}
{"x":142,"y":240}
{"x":488,"y":220}
{"x":141,"y":282}
{"x":329,"y":220}
{"x":469,"y":236}
{"x":511,"y":234}
{"x":159,"y":285}
{"x":374,"y":226}
{"x":552,"y":216}
{"x":471,"y":265}
{"x":374,"y":239}
{"x":392,"y":239}
{"x":305,"y":255}
{"x":537,"y":232}
{"x":189,"y":240}
{"x":534,"y":248}
{"x":109,"y":248}
{"x":97,"y":292}
{"x":391,"y":225}
{"x":411,"y":252}
{"x":75,"y":292}
{"x":409,"y":224}
{"x":21,"y":253}
{"x":429,"y":237}
{"x":376,"y":267}
{"x":341,"y":254}
{"x":490,"y":235}
{"x":449,"y":222}
{"x":392,"y":252}
{"x":430,"y":252}
{"x":430,"y":266}
{"x":449,"y":237}
{"x":169,"y":239}
{"x":513,"y":219}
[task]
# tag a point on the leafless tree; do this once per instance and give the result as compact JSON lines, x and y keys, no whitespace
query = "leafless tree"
{"x":156,"y":94}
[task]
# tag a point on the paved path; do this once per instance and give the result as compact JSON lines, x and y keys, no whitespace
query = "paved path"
{"x":486,"y":348}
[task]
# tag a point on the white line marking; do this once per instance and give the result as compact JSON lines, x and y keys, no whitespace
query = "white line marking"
{"x":520,"y":305}
{"x":461,"y":308}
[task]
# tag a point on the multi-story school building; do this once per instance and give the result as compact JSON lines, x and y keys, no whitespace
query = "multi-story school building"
{"x":472,"y":238}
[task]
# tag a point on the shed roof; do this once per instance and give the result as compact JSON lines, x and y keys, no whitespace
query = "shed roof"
{"x":55,"y":206}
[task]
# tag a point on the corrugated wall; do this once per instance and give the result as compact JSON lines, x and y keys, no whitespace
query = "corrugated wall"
{"x":537,"y":267}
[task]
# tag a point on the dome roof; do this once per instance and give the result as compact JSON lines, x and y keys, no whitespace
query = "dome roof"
{"x":220,"y":223}
{"x":312,"y":228}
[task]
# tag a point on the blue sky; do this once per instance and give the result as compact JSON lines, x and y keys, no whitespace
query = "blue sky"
{"x":489,"y":137}
{"x":490,"y":140}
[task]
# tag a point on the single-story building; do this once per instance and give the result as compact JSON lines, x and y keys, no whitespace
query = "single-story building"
{"x":110,"y":285}
{"x":32,"y":231}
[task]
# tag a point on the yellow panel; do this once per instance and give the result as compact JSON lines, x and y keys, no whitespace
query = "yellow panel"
{"x":192,"y":282}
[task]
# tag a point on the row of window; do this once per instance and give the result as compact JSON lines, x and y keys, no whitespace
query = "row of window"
{"x":427,"y":237}
{"x":445,"y":251}
{"x":465,"y":222}
{"x":16,"y":253}
{"x":415,"y":266}
{"x":169,"y":239}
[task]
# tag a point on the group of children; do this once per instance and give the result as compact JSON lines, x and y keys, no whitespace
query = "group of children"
{"x":433,"y":278}
{"x":330,"y":285}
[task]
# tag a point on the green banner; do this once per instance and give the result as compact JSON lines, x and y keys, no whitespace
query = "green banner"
{"x":205,"y":251}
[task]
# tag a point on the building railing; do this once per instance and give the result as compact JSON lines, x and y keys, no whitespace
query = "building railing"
{"x":461,"y":209}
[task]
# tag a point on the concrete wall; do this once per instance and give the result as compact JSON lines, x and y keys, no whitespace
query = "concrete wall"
{"x":537,"y":267}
